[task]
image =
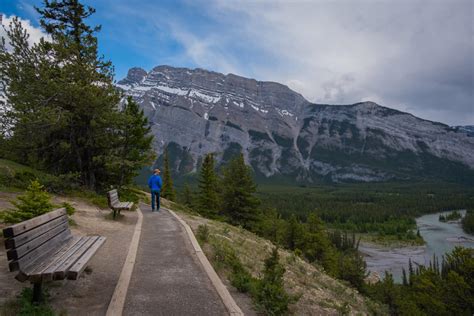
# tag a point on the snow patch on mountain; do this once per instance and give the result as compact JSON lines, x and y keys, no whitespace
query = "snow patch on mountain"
{"x":201,"y":111}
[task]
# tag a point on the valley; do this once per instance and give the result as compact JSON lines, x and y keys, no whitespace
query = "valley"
{"x":439,"y":237}
{"x":382,"y":213}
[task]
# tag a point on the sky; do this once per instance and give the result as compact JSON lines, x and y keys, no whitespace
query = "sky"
{"x":416,"y":56}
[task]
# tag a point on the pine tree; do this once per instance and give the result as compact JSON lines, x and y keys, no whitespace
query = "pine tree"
{"x":167,"y":191}
{"x":404,"y":277}
{"x":238,"y":197}
{"x":187,"y":195}
{"x":35,"y":202}
{"x":294,"y":234}
{"x":271,"y":294}
{"x":133,"y":145}
{"x":63,"y":102}
{"x":411,"y":272}
{"x":208,"y":201}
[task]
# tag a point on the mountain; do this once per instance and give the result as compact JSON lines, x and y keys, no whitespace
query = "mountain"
{"x":468,"y":129}
{"x":284,"y":136}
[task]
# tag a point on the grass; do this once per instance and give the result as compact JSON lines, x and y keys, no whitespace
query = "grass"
{"x":92,"y":197}
{"x":15,"y":177}
{"x":390,"y":240}
{"x":313,"y":286}
{"x":22,"y":305}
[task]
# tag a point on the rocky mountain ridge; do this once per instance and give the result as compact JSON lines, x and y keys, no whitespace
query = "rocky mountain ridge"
{"x":194,"y":112}
{"x":468,"y":129}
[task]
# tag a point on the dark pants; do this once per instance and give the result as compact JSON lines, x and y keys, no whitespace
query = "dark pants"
{"x":155,"y":195}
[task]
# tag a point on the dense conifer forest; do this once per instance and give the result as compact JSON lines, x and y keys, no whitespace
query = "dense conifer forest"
{"x":384,"y":209}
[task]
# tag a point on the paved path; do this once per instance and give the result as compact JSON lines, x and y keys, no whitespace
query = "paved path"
{"x":167,"y":278}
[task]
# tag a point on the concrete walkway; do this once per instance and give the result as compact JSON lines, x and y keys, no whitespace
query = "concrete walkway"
{"x":167,"y":278}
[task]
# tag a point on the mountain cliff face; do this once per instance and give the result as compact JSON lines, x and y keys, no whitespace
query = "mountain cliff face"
{"x":468,"y":129}
{"x":195,"y":112}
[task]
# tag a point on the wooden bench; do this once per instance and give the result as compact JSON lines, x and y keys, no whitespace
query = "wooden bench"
{"x":115,"y":204}
{"x":43,"y":249}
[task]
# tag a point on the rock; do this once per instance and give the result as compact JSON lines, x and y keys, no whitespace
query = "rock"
{"x":195,"y":111}
{"x":372,"y":278}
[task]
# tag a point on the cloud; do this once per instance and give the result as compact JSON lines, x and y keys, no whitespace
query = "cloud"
{"x":205,"y":52}
{"x":415,"y":56}
{"x":412,"y":55}
{"x":35,"y":33}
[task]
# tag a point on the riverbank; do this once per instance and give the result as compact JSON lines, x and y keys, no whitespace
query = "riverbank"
{"x":439,"y":238}
{"x":390,"y":241}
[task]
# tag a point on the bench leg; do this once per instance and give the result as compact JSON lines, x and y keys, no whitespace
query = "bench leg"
{"x":37,"y":292}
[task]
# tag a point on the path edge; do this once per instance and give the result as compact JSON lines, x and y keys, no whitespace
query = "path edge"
{"x":221,"y":289}
{"x":120,"y":293}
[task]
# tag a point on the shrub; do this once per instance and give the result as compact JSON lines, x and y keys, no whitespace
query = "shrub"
{"x":240,"y":278}
{"x":62,"y":183}
{"x":23,"y":178}
{"x":36,"y":201}
{"x":29,"y":308}
{"x":271,"y":296}
{"x":131,"y":194}
{"x":70,"y":210}
{"x":203,"y":234}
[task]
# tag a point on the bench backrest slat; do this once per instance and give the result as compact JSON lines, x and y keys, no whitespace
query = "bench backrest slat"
{"x":27,"y":241}
{"x":47,"y":248}
{"x":22,"y":239}
{"x":18,"y":252}
{"x":25,"y":226}
{"x":112,"y":197}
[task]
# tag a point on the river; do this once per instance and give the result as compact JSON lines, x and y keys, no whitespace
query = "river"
{"x":440,"y":237}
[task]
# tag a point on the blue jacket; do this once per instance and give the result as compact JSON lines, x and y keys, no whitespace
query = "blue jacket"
{"x":155,"y":183}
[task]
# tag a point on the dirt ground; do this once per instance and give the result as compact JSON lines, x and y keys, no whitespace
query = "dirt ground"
{"x":91,"y":293}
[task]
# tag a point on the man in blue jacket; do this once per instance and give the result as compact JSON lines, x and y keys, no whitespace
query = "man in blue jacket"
{"x":155,"y":183}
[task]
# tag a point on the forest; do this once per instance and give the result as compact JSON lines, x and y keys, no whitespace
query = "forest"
{"x":382,"y":209}
{"x":67,"y":124}
{"x":297,"y":222}
{"x":468,"y":222}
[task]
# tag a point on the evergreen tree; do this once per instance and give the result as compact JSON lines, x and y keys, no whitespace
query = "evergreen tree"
{"x":468,"y":222}
{"x":404,"y":277}
{"x":389,"y":293}
{"x":271,"y":294}
{"x":411,"y":271}
{"x":167,"y":191}
{"x":294,"y":234}
{"x":318,"y":246}
{"x":238,"y":197}
{"x":353,"y":269}
{"x":133,"y":148}
{"x":208,"y":201}
{"x":64,"y":106}
{"x":187,"y":195}
{"x":35,"y":202}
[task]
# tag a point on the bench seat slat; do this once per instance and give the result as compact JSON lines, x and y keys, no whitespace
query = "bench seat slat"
{"x":25,"y":272}
{"x":48,"y":273}
{"x":25,"y":226}
{"x":33,"y":233}
{"x":35,"y":273}
{"x":123,"y":205}
{"x":81,"y":263}
{"x":61,"y":272}
{"x":46,"y":248}
{"x":43,"y":248}
{"x":19,"y":252}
